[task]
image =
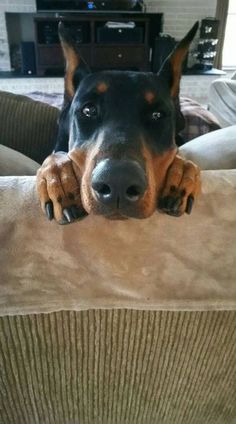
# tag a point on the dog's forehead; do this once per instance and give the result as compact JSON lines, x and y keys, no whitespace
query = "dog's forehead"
{"x":126,"y":83}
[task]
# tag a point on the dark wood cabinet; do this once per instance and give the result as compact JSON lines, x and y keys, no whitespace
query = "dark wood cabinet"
{"x":120,"y":57}
{"x":106,"y":54}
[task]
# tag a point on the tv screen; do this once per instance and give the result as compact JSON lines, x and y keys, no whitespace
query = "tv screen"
{"x":86,"y":5}
{"x":59,"y":5}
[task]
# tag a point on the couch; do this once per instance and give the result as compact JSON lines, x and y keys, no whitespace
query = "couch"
{"x":222,"y":100}
{"x":127,"y":322}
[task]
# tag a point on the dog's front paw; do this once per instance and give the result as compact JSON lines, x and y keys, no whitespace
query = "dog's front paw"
{"x":58,"y":189}
{"x":181,"y":187}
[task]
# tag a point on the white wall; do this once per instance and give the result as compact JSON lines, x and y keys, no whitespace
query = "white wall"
{"x":179,"y":15}
{"x":14,"y":6}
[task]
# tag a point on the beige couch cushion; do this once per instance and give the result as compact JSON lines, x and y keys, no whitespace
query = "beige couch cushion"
{"x":14,"y":163}
{"x":215,"y":150}
{"x":222,"y":100}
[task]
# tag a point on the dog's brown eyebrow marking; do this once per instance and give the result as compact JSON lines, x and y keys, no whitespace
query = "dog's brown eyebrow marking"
{"x":101,"y":87}
{"x":149,"y":96}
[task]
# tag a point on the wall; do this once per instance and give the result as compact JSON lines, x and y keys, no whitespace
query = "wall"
{"x":19,"y":6}
{"x":179,"y":16}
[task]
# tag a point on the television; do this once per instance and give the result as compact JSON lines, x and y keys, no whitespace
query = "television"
{"x":88,"y":5}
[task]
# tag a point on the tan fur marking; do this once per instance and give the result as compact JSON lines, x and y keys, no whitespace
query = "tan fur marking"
{"x":156,"y":167}
{"x":184,"y":175}
{"x":102,"y":87}
{"x":176,"y":63}
{"x":72,"y":62}
{"x":156,"y":170}
{"x":78,"y":156}
{"x":149,"y":96}
{"x":58,"y":180}
{"x":85,"y":161}
{"x":86,"y":192}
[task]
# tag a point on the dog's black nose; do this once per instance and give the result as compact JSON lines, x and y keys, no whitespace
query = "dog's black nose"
{"x":118,"y":183}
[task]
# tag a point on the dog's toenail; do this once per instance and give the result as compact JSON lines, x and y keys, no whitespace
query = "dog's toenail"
{"x":189,"y":204}
{"x":49,"y":210}
{"x":68,"y":214}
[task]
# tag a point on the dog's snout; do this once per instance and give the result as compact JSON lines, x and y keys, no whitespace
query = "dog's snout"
{"x":118,"y":183}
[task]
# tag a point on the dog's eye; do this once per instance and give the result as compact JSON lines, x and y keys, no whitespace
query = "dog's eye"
{"x":89,"y":110}
{"x":157,"y":115}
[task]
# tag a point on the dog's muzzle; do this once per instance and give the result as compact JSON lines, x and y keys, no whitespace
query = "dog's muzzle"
{"x":118,"y":184}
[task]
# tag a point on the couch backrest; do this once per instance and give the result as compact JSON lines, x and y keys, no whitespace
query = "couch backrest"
{"x":160,"y":262}
{"x":27,"y":126}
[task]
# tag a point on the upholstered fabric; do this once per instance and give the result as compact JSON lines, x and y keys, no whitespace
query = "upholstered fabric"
{"x":119,"y":322}
{"x":118,"y":367}
{"x":216,"y":150}
{"x":14,"y":163}
{"x":198,"y":120}
{"x":26,"y":126}
{"x":222,"y":101}
{"x":158,"y":263}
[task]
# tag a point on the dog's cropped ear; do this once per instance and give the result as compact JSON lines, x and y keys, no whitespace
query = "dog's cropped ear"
{"x":172,"y":67}
{"x":76,"y":68}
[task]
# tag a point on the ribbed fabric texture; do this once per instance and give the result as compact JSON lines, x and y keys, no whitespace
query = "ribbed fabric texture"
{"x":118,"y":366}
{"x":27,"y":126}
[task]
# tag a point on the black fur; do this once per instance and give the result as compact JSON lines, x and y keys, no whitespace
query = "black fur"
{"x":124,"y":116}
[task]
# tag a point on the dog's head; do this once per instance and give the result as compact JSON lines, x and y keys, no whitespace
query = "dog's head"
{"x":121,"y":129}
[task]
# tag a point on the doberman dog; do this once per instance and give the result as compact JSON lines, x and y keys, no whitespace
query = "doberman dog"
{"x":119,"y":130}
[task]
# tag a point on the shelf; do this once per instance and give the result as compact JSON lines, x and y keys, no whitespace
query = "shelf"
{"x":57,"y":45}
{"x":103,"y":55}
